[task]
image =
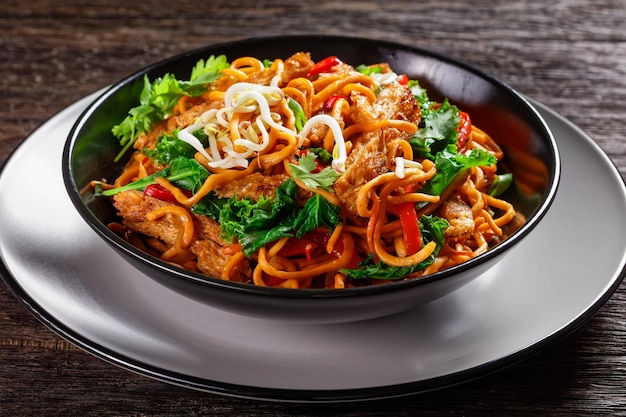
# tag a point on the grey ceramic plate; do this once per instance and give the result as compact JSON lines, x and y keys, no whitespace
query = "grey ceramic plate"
{"x":76,"y":284}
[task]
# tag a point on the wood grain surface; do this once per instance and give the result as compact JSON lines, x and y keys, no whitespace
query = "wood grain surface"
{"x":569,"y":55}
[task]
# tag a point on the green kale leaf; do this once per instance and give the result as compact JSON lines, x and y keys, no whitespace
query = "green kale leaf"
{"x":254,"y":224}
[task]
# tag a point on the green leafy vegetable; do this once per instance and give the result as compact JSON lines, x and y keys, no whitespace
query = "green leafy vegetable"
{"x":438,"y":130}
{"x":210,"y":205}
{"x":420,"y":94}
{"x":183,"y":172}
{"x":322,"y":155}
{"x":500,"y":184}
{"x":304,"y":172}
{"x":254,"y":224}
{"x":240,"y":216}
{"x":317,"y":212}
{"x":158,"y":98}
{"x":432,"y":229}
{"x":298,"y":112}
{"x":450,"y":165}
{"x":168,"y":147}
{"x":367,"y":70}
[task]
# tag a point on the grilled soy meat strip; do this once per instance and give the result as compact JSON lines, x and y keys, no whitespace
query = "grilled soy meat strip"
{"x":254,"y":186}
{"x":368,"y":157}
{"x":133,"y":206}
{"x":459,"y":216}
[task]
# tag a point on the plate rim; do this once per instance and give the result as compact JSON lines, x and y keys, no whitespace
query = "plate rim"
{"x":302,"y":395}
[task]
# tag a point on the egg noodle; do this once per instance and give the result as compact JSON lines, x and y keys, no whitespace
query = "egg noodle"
{"x":313,"y":175}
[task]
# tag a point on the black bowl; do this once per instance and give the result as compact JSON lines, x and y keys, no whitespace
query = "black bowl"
{"x":531,"y":154}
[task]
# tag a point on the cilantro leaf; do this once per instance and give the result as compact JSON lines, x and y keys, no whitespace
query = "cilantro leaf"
{"x":322,"y":155}
{"x":438,"y":129}
{"x":168,"y":147}
{"x":203,"y":73}
{"x":304,"y":172}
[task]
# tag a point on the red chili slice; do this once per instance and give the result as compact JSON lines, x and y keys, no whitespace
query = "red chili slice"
{"x":330,"y":101}
{"x":410,"y":227}
{"x":325,"y":65}
{"x":465,"y":128}
{"x":298,"y":247}
{"x":162,"y":193}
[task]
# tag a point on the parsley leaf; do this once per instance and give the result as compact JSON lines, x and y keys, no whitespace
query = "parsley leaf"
{"x":158,"y":98}
{"x":168,"y":147}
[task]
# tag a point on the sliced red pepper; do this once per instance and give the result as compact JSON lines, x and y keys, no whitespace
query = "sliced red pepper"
{"x":410,"y":227}
{"x":403,"y":79}
{"x":330,"y":101}
{"x":321,"y":237}
{"x":312,"y":240}
{"x":298,"y":247}
{"x":162,"y":193}
{"x":325,"y":65}
{"x":465,"y":128}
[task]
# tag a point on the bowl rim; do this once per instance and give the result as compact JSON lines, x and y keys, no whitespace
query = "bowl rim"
{"x":176,"y":272}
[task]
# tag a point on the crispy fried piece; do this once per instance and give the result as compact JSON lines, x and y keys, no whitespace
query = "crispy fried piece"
{"x":133,"y":206}
{"x":254,"y":186}
{"x":296,"y":66}
{"x":212,"y":261}
{"x":397,"y":102}
{"x":368,"y":158}
{"x":363,"y":164}
{"x":460,"y":217}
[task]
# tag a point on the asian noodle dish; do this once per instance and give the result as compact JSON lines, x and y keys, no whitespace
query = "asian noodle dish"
{"x":301,"y":174}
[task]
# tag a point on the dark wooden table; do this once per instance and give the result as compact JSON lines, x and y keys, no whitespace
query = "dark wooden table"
{"x":570,"y":55}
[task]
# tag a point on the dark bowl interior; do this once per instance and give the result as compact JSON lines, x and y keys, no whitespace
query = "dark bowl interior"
{"x":529,"y":147}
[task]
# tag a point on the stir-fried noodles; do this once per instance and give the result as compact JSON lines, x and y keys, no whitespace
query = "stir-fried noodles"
{"x":298,"y":174}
